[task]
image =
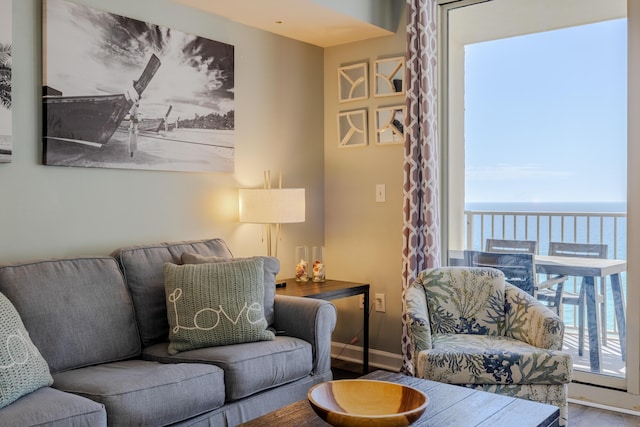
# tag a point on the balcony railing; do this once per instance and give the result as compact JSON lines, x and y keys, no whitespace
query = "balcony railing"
{"x":576,"y":227}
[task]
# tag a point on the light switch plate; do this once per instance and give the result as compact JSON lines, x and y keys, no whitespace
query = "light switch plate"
{"x":380,"y":193}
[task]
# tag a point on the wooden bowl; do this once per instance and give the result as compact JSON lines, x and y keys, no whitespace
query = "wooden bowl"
{"x":353,"y":403}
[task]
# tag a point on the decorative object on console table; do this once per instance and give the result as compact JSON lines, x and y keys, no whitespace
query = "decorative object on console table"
{"x":302,"y":263}
{"x":330,"y":290}
{"x":317,"y":257}
{"x":272,"y":206}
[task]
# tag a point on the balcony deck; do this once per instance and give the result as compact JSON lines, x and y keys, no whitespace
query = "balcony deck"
{"x":611,"y":362}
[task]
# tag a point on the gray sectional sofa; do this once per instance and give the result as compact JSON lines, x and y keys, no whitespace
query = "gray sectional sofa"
{"x":100,"y":322}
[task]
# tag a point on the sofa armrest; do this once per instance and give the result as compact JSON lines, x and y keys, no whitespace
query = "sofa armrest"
{"x":528,"y":320}
{"x":312,"y":320}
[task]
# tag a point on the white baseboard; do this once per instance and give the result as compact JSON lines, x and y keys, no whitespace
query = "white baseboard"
{"x":604,"y":407}
{"x":377,"y":358}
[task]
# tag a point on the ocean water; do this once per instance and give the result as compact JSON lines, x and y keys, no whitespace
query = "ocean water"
{"x":549,"y":206}
{"x":580,"y":222}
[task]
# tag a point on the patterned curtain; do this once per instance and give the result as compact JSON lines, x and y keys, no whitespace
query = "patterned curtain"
{"x":421,"y":227}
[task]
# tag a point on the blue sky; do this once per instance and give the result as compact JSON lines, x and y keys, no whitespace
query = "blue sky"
{"x":546,"y":118}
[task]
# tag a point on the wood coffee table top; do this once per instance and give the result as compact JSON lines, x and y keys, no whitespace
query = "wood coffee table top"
{"x":449,"y":405}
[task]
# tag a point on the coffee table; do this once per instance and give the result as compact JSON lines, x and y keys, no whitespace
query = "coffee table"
{"x":449,"y":405}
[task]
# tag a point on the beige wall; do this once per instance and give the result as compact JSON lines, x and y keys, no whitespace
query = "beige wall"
{"x":363,"y":238}
{"x":50,"y":211}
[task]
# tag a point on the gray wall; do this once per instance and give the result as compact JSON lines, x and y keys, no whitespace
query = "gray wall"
{"x":363,"y":237}
{"x":282,"y":124}
{"x":48,"y":211}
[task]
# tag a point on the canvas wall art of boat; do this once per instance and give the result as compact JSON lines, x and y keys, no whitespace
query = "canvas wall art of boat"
{"x":93,"y":117}
{"x":90,"y":120}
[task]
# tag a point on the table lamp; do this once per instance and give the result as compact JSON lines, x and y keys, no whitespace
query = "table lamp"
{"x":272,"y":207}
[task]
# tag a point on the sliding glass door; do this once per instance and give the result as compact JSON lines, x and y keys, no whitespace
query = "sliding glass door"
{"x":534,"y":140}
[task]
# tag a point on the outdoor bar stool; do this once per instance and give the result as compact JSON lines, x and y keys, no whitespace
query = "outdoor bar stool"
{"x":560,"y":296}
{"x":519,"y":269}
{"x":511,"y":246}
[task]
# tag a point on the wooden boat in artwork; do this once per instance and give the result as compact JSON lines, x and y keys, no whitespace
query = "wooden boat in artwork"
{"x":151,"y":125}
{"x":90,"y":120}
{"x":148,"y":125}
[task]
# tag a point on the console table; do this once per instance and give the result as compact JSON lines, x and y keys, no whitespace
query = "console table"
{"x":330,"y":290}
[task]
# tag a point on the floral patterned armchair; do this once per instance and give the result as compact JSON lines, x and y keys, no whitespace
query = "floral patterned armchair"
{"x":469,"y":327}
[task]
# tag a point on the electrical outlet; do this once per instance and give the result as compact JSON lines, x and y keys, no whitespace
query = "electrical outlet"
{"x":380,"y":303}
{"x":361,"y":301}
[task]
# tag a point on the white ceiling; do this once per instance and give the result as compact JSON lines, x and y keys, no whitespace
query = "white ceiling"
{"x":304,"y":20}
{"x":498,"y":19}
{"x":328,"y":23}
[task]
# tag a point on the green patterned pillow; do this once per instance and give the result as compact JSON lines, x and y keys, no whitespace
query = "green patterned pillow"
{"x":215,"y":304}
{"x":22,"y":367}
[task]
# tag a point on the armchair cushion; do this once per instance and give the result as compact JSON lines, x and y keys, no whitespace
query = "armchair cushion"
{"x":465,"y":301}
{"x":485,"y":359}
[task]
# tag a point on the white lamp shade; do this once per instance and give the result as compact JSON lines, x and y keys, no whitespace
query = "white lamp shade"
{"x":272,"y":206}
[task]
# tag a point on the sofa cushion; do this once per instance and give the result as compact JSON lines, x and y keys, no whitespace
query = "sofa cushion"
{"x":142,"y":393}
{"x":215,"y":304}
{"x":484,"y":359}
{"x":53,"y":408}
{"x":248,"y":368}
{"x":142,"y":268}
{"x":271,"y":270}
{"x":77,"y":310}
{"x":22,"y":368}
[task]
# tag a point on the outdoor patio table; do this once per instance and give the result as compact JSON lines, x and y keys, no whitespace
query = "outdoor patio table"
{"x":589,"y":269}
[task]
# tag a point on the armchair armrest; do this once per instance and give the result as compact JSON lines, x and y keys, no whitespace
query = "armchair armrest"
{"x":417,"y":311}
{"x":312,"y":320}
{"x":528,"y":320}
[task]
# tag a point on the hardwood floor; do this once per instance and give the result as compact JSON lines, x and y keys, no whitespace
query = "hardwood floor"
{"x":585,"y":416}
{"x":579,"y":415}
